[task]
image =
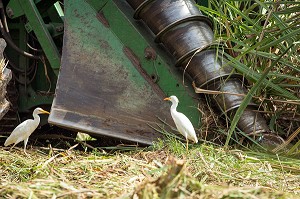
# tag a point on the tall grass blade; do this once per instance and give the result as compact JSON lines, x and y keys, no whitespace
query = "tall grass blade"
{"x":248,"y":97}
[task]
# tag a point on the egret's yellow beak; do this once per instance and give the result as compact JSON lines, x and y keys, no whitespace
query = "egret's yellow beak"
{"x":167,"y":98}
{"x":45,"y":112}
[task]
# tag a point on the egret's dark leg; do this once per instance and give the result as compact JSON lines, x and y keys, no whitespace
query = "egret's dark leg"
{"x":187,"y":145}
{"x":12,"y":146}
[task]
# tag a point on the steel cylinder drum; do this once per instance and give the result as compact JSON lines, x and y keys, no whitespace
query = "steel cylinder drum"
{"x":207,"y":68}
{"x":160,"y":15}
{"x":251,"y":122}
{"x":135,"y":4}
{"x":233,"y":100}
{"x":186,"y":38}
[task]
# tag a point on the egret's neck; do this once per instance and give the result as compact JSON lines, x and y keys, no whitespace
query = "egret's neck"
{"x":174,"y":106}
{"x":36,"y":117}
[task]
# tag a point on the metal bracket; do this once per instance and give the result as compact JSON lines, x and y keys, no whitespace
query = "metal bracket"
{"x":17,"y":8}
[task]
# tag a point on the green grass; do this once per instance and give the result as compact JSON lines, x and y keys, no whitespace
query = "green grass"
{"x":262,"y":42}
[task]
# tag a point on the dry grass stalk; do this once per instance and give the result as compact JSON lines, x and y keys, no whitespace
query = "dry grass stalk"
{"x":206,"y":172}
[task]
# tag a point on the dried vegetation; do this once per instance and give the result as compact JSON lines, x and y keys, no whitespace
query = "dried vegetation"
{"x":160,"y":172}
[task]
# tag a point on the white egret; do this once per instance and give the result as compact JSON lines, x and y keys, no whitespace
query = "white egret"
{"x":25,"y":129}
{"x":183,"y":124}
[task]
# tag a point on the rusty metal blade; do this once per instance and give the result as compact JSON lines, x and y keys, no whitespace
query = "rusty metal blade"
{"x":99,"y":90}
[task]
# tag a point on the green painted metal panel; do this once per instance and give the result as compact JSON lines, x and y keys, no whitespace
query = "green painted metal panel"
{"x":29,"y":9}
{"x":105,"y":85}
{"x":40,"y":91}
{"x":96,"y":4}
{"x":136,"y":36}
{"x":14,"y":9}
{"x":99,"y":91}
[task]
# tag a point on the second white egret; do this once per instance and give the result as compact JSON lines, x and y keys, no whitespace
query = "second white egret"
{"x":25,"y":129}
{"x":183,"y":124}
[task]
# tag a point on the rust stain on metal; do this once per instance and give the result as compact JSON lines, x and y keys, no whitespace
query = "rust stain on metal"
{"x":150,"y":53}
{"x":104,"y":45}
{"x":136,"y":62}
{"x":100,"y":16}
{"x":132,"y":57}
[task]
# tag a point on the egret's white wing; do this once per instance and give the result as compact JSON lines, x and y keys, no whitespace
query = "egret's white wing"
{"x":184,"y":126}
{"x":21,"y":132}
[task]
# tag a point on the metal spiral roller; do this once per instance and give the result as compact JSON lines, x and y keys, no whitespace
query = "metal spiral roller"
{"x":186,"y":33}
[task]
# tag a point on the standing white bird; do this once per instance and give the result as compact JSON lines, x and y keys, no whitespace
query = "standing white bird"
{"x":183,"y":124}
{"x":25,"y":129}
